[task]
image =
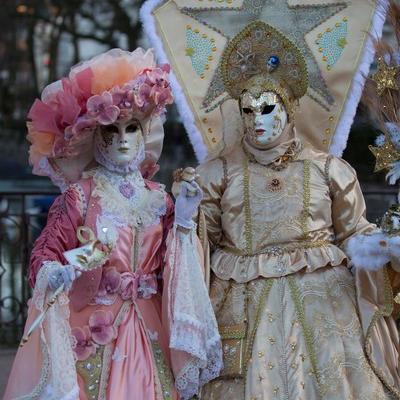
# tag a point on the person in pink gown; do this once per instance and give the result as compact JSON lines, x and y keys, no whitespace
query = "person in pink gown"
{"x":133,"y":319}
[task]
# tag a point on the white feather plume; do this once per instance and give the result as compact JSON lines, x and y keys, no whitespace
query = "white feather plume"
{"x":339,"y":140}
{"x":149,"y":27}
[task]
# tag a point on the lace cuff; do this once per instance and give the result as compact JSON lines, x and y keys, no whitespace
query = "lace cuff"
{"x":193,"y":326}
{"x":58,"y":378}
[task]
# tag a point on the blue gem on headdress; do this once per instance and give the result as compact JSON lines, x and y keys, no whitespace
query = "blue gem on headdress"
{"x":273,"y":63}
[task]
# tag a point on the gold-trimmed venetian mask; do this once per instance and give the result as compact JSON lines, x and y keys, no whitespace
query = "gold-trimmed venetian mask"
{"x":119,"y":143}
{"x":264,"y":117}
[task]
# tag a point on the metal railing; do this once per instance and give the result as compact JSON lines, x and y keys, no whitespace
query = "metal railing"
{"x":23,"y":216}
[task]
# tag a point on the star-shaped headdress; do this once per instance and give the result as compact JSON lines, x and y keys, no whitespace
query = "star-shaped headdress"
{"x":294,"y":21}
{"x":334,"y":37}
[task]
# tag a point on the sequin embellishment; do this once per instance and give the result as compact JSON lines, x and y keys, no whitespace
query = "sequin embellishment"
{"x":200,"y":49}
{"x":332,"y":43}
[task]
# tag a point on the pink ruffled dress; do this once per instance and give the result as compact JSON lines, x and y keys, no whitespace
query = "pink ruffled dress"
{"x":113,"y":315}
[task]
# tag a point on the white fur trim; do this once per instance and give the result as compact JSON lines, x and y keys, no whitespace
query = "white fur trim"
{"x":366,"y":251}
{"x":149,"y":27}
{"x":339,"y":141}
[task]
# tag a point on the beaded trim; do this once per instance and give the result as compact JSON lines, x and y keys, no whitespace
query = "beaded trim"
{"x":108,"y":352}
{"x":279,"y":250}
{"x":326,"y":171}
{"x":247,"y":211}
{"x":306,"y":199}
{"x":384,"y":311}
{"x":250,"y":342}
{"x":135,"y":249}
{"x":225,"y":169}
{"x":233,"y":332}
{"x":308,"y":336}
{"x":164,"y":373}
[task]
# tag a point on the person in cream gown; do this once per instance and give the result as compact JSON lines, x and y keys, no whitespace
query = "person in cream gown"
{"x":296,"y":322}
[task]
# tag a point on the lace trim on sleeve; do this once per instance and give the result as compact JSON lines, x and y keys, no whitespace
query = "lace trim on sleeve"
{"x":83,"y":205}
{"x":326,"y":171}
{"x":58,"y":378}
{"x":194,"y":329}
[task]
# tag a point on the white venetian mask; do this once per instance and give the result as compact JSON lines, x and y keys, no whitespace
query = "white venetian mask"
{"x":119,"y":146}
{"x":264,"y":118}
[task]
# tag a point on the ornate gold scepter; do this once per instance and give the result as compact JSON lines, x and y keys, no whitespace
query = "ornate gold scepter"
{"x":83,"y":258}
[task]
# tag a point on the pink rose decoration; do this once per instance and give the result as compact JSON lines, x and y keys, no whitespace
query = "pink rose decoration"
{"x":109,"y":286}
{"x":129,"y":286}
{"x":84,"y":344}
{"x":102,"y":108}
{"x":147,"y":285}
{"x":110,"y":281}
{"x":101,"y":327}
{"x":83,"y":126}
{"x":142,"y":96}
{"x":160,"y":89}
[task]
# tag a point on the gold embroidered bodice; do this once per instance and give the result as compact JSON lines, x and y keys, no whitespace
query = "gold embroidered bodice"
{"x":267,"y":222}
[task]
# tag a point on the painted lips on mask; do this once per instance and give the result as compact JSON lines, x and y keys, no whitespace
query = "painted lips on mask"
{"x":118,"y":145}
{"x":264,"y":118}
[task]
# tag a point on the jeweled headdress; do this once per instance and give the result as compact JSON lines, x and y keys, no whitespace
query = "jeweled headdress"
{"x":260,"y":59}
{"x":335,"y":39}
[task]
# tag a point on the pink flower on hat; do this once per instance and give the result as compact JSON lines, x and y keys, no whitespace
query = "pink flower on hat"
{"x":101,"y":107}
{"x":83,"y":125}
{"x":84,"y":345}
{"x":101,"y":327}
{"x":157,"y":78}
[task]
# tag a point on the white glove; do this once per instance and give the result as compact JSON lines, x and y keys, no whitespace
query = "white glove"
{"x":186,"y":206}
{"x":63,"y":275}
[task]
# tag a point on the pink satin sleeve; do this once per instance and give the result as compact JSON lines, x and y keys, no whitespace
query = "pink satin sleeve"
{"x":153,"y":246}
{"x":59,"y":233}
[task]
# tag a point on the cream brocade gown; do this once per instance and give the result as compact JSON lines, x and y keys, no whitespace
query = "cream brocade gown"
{"x":289,"y":310}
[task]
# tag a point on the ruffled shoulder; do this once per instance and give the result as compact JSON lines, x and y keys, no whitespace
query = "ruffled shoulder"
{"x":59,"y":234}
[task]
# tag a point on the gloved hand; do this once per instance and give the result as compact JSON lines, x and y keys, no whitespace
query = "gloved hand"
{"x":63,"y":275}
{"x":186,"y":205}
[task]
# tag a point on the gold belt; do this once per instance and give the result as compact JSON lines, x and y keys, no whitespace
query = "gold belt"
{"x":278,"y":250}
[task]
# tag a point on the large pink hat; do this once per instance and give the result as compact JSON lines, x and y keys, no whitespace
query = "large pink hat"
{"x":112,"y":86}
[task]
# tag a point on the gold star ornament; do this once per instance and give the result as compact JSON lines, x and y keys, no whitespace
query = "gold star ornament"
{"x":385,"y":155}
{"x":385,"y":77}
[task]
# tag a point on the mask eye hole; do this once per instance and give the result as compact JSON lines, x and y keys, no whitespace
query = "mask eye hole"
{"x":133,"y":127}
{"x":268,"y":109}
{"x":247,"y":110}
{"x":110,"y":129}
